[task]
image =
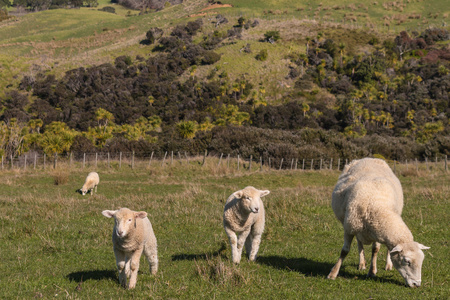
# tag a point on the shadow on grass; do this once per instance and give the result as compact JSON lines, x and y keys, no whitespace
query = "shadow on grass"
{"x":95,"y":275}
{"x":319,"y":269}
{"x":201,"y":256}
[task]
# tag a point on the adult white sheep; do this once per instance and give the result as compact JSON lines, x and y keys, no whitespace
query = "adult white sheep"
{"x":91,"y":182}
{"x":368,"y":200}
{"x":244,"y":215}
{"x":132,"y":235}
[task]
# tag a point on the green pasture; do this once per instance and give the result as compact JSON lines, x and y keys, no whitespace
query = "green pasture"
{"x":56,"y":244}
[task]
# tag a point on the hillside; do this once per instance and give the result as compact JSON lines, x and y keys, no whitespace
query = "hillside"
{"x":240,"y":77}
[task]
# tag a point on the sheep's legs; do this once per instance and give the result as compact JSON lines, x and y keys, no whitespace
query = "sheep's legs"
{"x":252,"y":246}
{"x":121,"y":267}
{"x":134,"y":267}
{"x":373,"y":264}
{"x":388,"y":261}
{"x":362,"y":259}
{"x":237,"y":243}
{"x":345,"y":249}
{"x":152,"y":257}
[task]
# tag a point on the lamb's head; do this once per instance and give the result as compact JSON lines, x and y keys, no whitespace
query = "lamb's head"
{"x":125,"y":220}
{"x":407,"y":258}
{"x":83,"y":191}
{"x":250,"y":197}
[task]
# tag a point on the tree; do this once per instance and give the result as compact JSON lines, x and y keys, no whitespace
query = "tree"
{"x":57,"y":138}
{"x":187,"y":129}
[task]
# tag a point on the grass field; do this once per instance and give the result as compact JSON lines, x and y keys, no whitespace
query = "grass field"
{"x":56,"y":244}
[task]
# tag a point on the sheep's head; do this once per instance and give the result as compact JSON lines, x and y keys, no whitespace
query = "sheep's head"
{"x":250,"y":198}
{"x":407,"y":258}
{"x":125,"y":220}
{"x":83,"y":191}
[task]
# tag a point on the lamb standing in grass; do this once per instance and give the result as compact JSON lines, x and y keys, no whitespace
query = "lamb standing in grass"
{"x":90,"y":183}
{"x":368,"y":200}
{"x":244,"y":215}
{"x":132,"y":235}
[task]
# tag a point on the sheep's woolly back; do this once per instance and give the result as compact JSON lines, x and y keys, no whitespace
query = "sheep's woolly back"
{"x":366,"y":198}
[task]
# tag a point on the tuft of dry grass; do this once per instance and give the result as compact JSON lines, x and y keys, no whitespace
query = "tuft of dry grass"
{"x":60,"y":177}
{"x":218,"y":272}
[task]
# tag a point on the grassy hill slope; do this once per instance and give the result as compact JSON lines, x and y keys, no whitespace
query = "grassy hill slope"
{"x":59,"y":40}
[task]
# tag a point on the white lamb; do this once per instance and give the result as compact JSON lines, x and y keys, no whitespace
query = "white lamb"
{"x":244,"y":215}
{"x":368,"y":200}
{"x":132,"y":235}
{"x":91,"y":182}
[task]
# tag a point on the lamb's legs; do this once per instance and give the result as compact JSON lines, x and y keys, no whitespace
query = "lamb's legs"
{"x":134,"y":267}
{"x":237,"y":243}
{"x":388,"y":261}
{"x":255,"y":241}
{"x":152,"y":257}
{"x":121,"y":263}
{"x":345,"y":249}
{"x":373,"y":264}
{"x":362,"y":259}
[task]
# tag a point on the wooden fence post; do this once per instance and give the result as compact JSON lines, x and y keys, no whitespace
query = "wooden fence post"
{"x":25,"y":163}
{"x":303,"y":164}
{"x":281,"y":163}
{"x":204,"y":157}
{"x":132,"y":160}
{"x":44,"y":160}
{"x":150,"y":161}
{"x":296,"y":163}
{"x":120,"y":160}
{"x":84,"y":160}
{"x":312,"y":163}
{"x":395,"y":167}
{"x":220,"y":159}
{"x":35,"y":157}
{"x":250,"y":163}
{"x":292,"y":164}
{"x":12,"y":162}
{"x":269,"y":164}
{"x":96,"y":159}
{"x":2,"y":162}
{"x":238,"y":163}
{"x":260,"y":163}
{"x":331,"y":164}
{"x":179,"y":157}
{"x":446,"y":168}
{"x":339,"y":163}
{"x":109,"y":165}
{"x":426,"y":163}
{"x":417,"y":165}
{"x":164,"y":159}
{"x":171,"y":158}
{"x":320,"y":168}
{"x":70,"y":159}
{"x":228,"y":161}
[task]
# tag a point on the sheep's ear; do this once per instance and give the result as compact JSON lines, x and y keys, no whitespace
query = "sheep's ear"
{"x":239,"y":194}
{"x":109,"y":213}
{"x":423,"y":247}
{"x":396,"y":249}
{"x":264,"y":193}
{"x":140,"y":214}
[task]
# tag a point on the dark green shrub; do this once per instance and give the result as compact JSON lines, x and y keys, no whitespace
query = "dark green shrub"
{"x":262,"y":55}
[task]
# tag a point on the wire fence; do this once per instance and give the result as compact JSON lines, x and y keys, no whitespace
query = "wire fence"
{"x":132,"y":160}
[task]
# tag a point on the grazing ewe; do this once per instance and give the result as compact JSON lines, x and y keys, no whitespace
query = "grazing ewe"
{"x":244,"y":215}
{"x":368,"y":200}
{"x":132,"y":235}
{"x":90,"y":184}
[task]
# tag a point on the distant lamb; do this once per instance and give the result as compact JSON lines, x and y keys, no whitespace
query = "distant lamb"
{"x":90,"y":183}
{"x":368,"y":200}
{"x":132,"y":235}
{"x":244,"y":215}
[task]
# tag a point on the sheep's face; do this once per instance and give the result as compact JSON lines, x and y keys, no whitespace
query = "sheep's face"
{"x":125,"y":220}
{"x":83,"y":191}
{"x":407,"y":258}
{"x":250,"y":198}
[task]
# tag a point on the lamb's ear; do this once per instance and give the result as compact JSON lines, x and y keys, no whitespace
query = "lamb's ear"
{"x":140,"y":214}
{"x":109,"y":213}
{"x":264,"y":193}
{"x":423,"y":247}
{"x":239,"y":194}
{"x":396,"y":249}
